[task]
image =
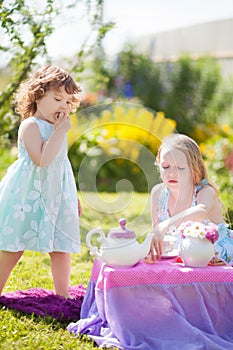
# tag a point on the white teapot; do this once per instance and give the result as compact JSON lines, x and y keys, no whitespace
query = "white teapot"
{"x":120,"y":247}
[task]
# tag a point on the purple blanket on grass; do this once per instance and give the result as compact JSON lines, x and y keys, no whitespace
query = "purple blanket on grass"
{"x":44,"y":303}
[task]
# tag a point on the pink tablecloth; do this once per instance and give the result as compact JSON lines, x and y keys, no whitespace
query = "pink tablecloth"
{"x":161,"y":306}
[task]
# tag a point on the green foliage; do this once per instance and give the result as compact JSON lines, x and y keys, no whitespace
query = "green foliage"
{"x":140,"y":71}
{"x":7,"y":156}
{"x":192,"y":92}
{"x":195,"y":93}
{"x":217,"y":152}
{"x":24,"y":29}
{"x":144,"y":76}
{"x":17,"y":18}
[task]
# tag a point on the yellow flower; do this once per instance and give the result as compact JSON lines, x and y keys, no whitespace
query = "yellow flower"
{"x":226,"y":128}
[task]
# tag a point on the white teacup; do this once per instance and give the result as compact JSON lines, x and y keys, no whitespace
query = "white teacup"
{"x":169,"y":246}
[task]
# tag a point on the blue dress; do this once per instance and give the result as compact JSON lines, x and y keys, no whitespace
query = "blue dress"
{"x":39,"y":206}
{"x":224,"y":244}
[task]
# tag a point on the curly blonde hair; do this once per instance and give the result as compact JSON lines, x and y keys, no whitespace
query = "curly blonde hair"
{"x":46,"y":78}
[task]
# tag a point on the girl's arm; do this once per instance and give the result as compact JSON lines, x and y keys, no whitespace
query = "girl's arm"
{"x":197,"y":213}
{"x":213,"y":206}
{"x":206,"y":202}
{"x":154,"y":202}
{"x":42,"y":153}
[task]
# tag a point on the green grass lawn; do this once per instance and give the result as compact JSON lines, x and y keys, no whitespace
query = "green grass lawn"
{"x":22,"y":331}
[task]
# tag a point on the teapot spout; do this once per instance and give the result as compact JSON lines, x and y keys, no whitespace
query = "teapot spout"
{"x":145,"y":246}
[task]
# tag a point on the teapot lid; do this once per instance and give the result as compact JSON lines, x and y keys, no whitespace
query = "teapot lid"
{"x":122,"y":231}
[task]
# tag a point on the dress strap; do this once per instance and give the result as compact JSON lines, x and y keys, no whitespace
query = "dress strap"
{"x":201,"y":184}
{"x":197,"y":189}
{"x":164,"y":197}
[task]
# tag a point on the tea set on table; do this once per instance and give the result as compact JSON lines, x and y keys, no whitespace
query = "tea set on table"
{"x":120,"y":248}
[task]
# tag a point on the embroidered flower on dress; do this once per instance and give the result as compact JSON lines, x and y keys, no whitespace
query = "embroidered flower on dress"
{"x":5,"y":229}
{"x":31,"y":235}
{"x":35,"y":195}
{"x":21,"y":209}
{"x":71,"y":213}
{"x":16,"y":246}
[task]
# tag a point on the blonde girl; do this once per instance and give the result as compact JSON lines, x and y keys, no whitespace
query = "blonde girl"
{"x":186,"y":193}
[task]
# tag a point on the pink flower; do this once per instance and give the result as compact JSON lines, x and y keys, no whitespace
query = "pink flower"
{"x":211,"y":232}
{"x":229,"y":161}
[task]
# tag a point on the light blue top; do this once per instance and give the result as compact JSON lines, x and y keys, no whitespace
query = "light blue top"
{"x":39,"y":206}
{"x":163,"y":203}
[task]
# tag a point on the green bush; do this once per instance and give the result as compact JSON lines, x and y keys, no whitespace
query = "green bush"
{"x":7,"y":157}
{"x":216,"y":151}
{"x":190,"y":91}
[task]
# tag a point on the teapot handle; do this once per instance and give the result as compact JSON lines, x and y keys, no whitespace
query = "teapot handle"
{"x":93,"y":249}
